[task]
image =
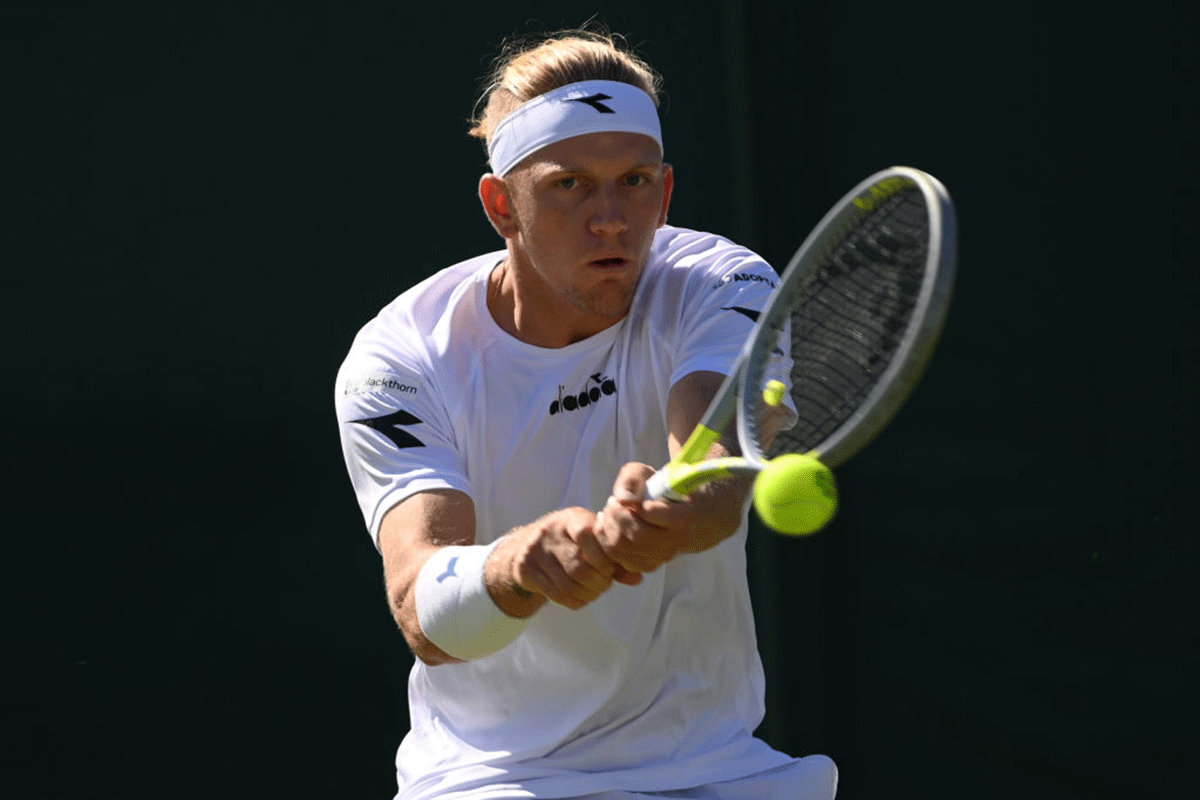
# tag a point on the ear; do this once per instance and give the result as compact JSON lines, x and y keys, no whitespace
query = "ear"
{"x":497,"y":204}
{"x":668,"y":187}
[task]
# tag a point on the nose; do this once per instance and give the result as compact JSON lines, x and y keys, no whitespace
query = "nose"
{"x":609,"y":216}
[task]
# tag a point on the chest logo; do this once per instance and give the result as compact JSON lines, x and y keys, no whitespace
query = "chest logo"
{"x":597,"y":387}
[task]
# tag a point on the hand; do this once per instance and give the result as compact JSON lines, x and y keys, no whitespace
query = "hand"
{"x":642,"y":535}
{"x":558,"y":558}
{"x":638,"y":534}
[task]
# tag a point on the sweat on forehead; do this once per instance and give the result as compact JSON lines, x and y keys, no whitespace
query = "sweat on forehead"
{"x":572,"y":110}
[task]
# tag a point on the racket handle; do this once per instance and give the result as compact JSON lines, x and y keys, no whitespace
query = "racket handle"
{"x":658,"y":486}
{"x":676,"y":481}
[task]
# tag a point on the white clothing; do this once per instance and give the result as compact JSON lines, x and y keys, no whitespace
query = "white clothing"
{"x":649,"y":688}
{"x":809,"y":778}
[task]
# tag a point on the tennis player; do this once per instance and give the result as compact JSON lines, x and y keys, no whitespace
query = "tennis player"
{"x":499,"y":421}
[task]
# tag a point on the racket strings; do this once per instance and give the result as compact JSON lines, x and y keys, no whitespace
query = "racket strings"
{"x":849,"y":321}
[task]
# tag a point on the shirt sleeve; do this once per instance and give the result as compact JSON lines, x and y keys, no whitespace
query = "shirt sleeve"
{"x":397,"y":437}
{"x":724,"y":296}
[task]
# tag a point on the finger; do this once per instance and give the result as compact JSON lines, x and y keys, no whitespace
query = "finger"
{"x":532,"y":578}
{"x":612,"y":527}
{"x":627,"y":577}
{"x":663,"y":513}
{"x":586,"y":581}
{"x":623,"y":522}
{"x":576,"y":581}
{"x":593,"y":554}
{"x":542,"y":573}
{"x":630,"y":541}
{"x":562,"y":590}
{"x":630,"y":485}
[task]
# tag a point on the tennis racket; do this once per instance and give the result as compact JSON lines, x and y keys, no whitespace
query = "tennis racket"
{"x":843,"y":339}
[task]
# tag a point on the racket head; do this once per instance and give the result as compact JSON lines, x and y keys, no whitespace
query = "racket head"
{"x":854,"y":321}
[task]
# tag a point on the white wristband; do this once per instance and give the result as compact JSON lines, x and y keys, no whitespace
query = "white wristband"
{"x":454,"y":607}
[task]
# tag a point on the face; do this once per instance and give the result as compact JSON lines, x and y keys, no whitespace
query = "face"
{"x":581,"y":220}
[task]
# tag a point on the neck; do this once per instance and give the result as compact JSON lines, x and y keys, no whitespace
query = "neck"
{"x":523,"y":308}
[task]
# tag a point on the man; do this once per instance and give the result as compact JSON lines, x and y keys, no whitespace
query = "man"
{"x":491,"y":410}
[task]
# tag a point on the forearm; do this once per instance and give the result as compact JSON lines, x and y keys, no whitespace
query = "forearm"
{"x":717,"y":507}
{"x":441,"y":588}
{"x":457,"y":601}
{"x":718,"y":510}
{"x":714,"y":511}
{"x":402,"y":602}
{"x":453,"y":610}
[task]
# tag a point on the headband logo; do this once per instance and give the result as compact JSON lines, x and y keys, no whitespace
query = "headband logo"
{"x":594,"y":102}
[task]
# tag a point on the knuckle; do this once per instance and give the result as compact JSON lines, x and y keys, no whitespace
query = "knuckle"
{"x":579,"y":571}
{"x":521,"y":572}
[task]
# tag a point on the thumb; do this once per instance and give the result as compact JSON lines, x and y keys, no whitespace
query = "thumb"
{"x":626,"y":493}
{"x":630,"y":486}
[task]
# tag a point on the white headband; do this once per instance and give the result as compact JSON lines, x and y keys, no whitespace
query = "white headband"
{"x":572,"y":110}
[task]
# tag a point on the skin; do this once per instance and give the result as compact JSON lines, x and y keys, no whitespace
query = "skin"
{"x":579,"y":218}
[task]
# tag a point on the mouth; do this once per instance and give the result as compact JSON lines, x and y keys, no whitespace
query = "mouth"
{"x":608,"y":263}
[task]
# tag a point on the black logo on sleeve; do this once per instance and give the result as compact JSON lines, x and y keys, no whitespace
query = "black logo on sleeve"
{"x":594,"y":102}
{"x":748,"y":312}
{"x":746,"y":277}
{"x":595,"y":388}
{"x":390,"y":426}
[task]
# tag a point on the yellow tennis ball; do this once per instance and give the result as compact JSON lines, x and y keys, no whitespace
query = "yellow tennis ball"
{"x":795,"y":494}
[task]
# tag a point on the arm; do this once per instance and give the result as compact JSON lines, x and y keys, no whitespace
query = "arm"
{"x":715,"y":511}
{"x":643,"y":534}
{"x":409,"y":534}
{"x":555,"y":558}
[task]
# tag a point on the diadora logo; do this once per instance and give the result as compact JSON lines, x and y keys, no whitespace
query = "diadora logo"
{"x":594,"y":102}
{"x":745,"y":312}
{"x":390,"y":425}
{"x":594,"y":388}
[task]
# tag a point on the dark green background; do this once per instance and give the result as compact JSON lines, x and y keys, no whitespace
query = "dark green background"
{"x":207,"y":201}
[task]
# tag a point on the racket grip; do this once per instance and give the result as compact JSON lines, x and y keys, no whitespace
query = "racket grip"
{"x":658,"y":486}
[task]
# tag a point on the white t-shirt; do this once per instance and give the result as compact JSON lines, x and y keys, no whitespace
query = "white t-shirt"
{"x":652,"y":687}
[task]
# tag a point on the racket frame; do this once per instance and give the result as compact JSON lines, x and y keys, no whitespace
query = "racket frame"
{"x":691,"y":468}
{"x":915,"y":348}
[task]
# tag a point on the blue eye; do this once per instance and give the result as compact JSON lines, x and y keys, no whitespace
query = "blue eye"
{"x":568,"y":183}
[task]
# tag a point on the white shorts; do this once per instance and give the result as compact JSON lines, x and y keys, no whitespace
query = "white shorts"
{"x":809,"y":778}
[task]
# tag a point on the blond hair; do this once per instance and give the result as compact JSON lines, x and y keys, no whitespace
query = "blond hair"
{"x":526,"y":70}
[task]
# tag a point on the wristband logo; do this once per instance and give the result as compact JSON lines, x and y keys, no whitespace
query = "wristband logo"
{"x":449,"y":573}
{"x":596,"y":387}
